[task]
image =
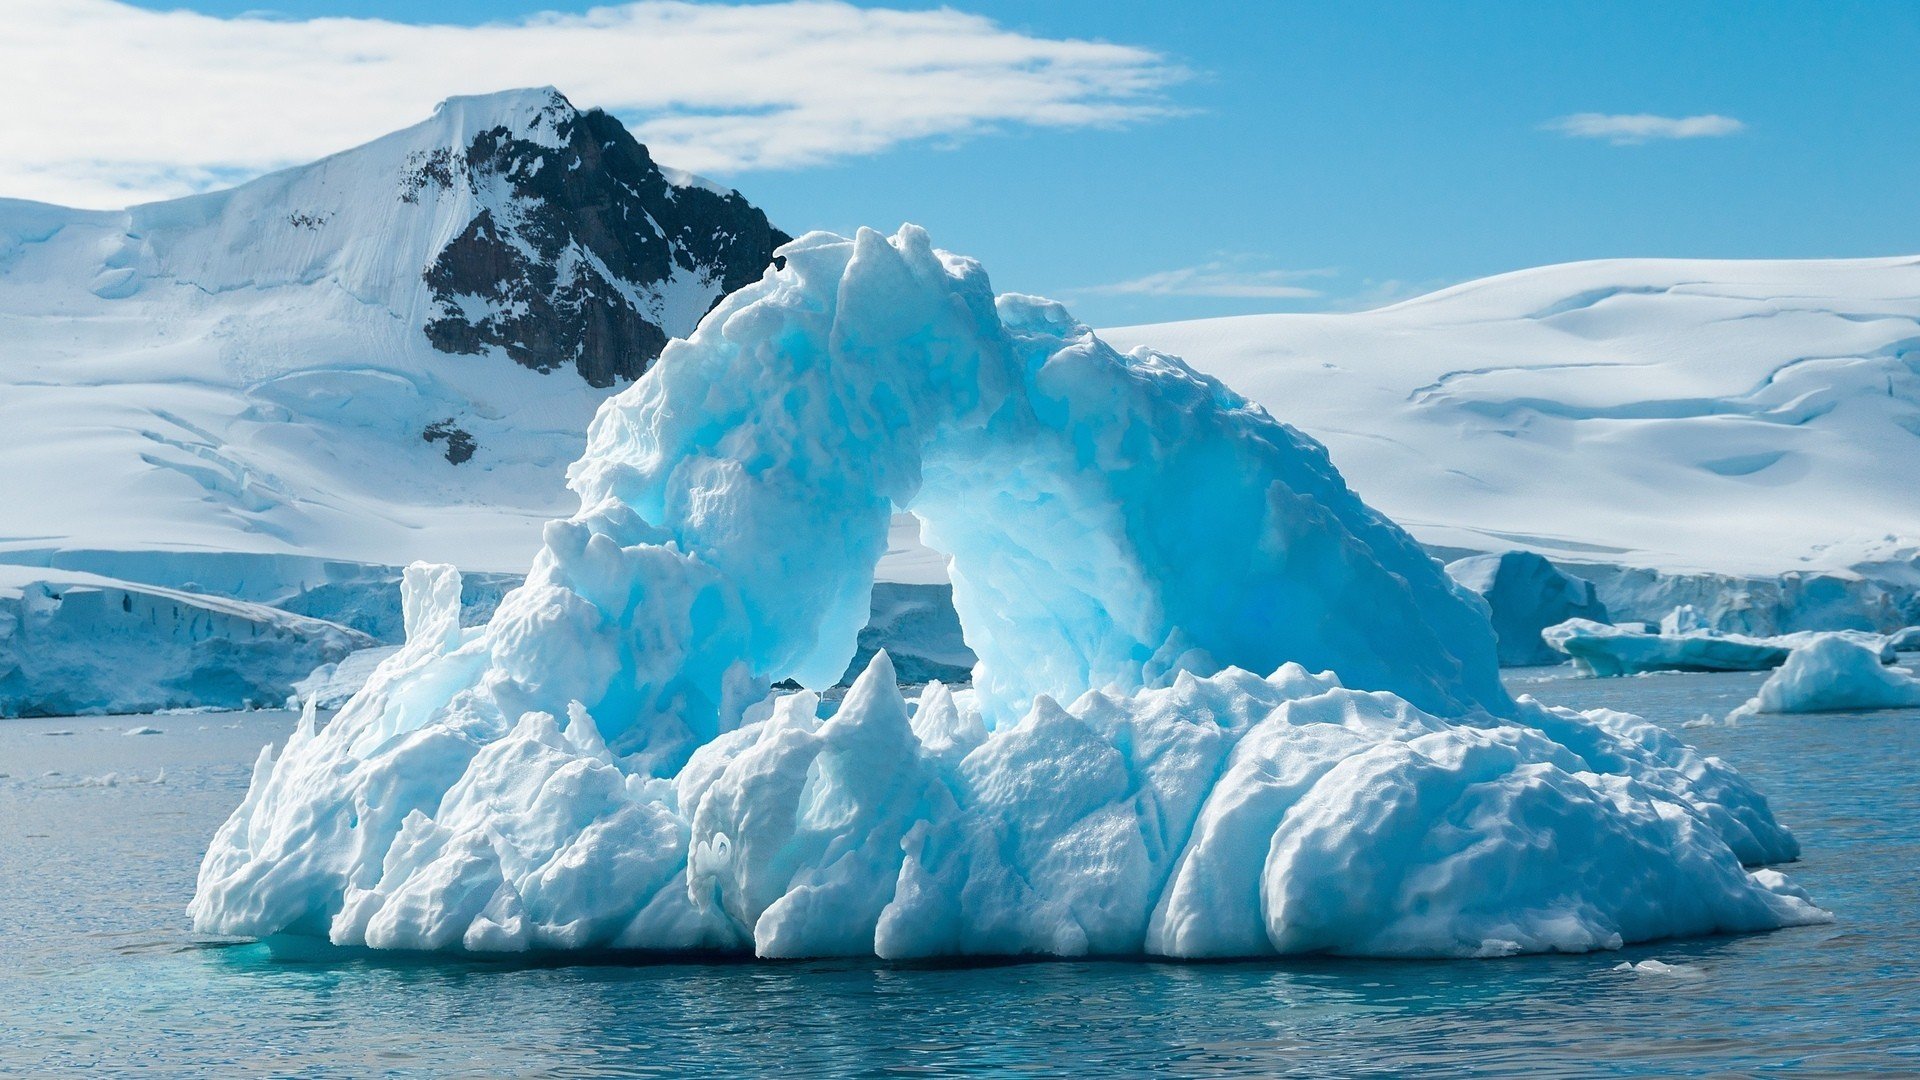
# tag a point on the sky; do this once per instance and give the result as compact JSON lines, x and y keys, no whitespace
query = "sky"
{"x":1142,"y":161}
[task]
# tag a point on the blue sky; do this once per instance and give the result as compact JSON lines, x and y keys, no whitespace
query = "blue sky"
{"x":1360,"y":151}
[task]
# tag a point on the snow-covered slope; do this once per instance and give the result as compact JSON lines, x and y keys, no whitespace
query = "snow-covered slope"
{"x":1734,"y":417}
{"x":390,"y":352}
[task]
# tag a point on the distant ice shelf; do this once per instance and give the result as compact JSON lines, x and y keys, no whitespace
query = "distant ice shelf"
{"x":80,"y":643}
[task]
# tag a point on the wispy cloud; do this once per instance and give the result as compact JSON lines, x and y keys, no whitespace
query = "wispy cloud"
{"x":110,"y":103}
{"x":1623,"y":129}
{"x":1228,"y":278}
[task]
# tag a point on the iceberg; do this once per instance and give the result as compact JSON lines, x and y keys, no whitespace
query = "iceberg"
{"x":1525,"y":594}
{"x":1831,"y":673}
{"x":1682,"y":645}
{"x":605,"y":763}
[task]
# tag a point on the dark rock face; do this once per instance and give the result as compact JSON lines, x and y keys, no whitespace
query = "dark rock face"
{"x":584,"y":255}
{"x":460,"y":444}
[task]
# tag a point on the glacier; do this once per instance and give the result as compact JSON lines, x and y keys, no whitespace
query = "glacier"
{"x":605,"y":762}
{"x":1832,"y":673}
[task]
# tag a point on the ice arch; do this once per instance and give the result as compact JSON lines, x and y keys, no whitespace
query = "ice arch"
{"x":602,"y":764}
{"x":1112,"y":520}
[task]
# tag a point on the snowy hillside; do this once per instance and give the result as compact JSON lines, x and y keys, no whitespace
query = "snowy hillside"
{"x":1732,"y":417}
{"x":389,"y":353}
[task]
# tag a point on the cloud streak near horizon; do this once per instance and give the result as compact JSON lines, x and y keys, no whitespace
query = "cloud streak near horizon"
{"x":115,"y":104}
{"x":1227,"y":278}
{"x":1627,"y":129}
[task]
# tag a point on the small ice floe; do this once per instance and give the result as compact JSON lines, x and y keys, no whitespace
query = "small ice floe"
{"x":1704,"y":720}
{"x":143,"y":730}
{"x":63,"y":731}
{"x":1661,"y":967}
{"x":1833,"y":674}
{"x":104,"y":780}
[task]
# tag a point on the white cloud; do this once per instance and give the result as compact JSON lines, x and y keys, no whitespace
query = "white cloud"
{"x":108,"y":103}
{"x":1623,"y":129}
{"x":1222,"y":278}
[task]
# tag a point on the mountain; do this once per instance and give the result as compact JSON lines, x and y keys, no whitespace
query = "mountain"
{"x":387,"y":354}
{"x":1739,"y":419}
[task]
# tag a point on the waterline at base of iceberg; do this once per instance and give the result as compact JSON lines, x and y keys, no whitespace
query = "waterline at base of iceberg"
{"x":1229,"y":816}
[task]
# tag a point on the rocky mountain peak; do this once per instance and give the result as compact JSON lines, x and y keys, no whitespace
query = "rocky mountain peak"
{"x":582,"y":251}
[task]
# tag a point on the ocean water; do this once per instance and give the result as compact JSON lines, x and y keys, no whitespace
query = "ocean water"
{"x":101,"y":832}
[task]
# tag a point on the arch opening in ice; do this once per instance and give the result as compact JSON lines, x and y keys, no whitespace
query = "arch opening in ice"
{"x":1110,"y":520}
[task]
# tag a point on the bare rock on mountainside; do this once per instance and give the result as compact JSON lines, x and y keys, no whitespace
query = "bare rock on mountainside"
{"x":558,"y":272}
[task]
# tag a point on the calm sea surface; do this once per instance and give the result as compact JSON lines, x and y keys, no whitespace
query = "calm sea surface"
{"x":101,"y":833}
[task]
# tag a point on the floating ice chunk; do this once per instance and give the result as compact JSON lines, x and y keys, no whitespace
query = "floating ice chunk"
{"x":143,"y":730}
{"x":1526,"y":594}
{"x":1661,"y":967}
{"x":103,"y":780}
{"x":1831,"y":673}
{"x":602,"y":765}
{"x":1598,"y":649}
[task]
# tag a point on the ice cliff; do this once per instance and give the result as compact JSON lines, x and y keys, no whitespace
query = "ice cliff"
{"x":1133,"y":546}
{"x":81,"y":643}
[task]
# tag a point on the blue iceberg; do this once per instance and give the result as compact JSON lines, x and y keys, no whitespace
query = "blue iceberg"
{"x":1221,"y":707}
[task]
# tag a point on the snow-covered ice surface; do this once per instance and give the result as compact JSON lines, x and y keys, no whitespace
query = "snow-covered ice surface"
{"x":1831,"y":673}
{"x":1683,"y":415}
{"x":1601,"y":649}
{"x":601,"y":764}
{"x":80,"y":643}
{"x":1525,"y":594}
